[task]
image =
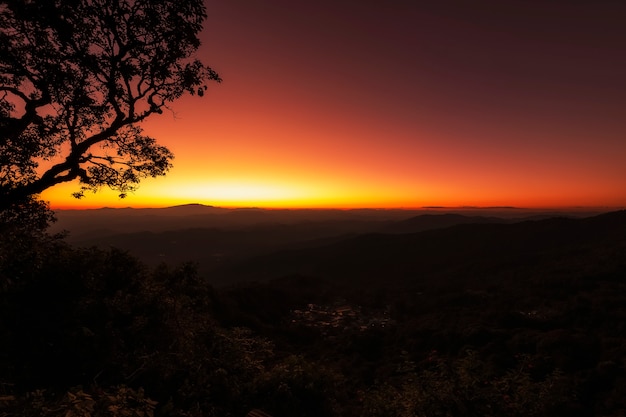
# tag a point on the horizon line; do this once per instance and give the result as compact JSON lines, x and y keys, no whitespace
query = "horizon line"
{"x":428,"y":207}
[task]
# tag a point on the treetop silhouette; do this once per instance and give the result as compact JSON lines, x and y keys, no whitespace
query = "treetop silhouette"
{"x":77,"y":77}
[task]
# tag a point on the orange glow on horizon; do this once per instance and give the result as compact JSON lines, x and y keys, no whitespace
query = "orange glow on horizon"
{"x":345,"y":121}
{"x":231,"y":194}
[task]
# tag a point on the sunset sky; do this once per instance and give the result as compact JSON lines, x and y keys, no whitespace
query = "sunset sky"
{"x":356,"y":103}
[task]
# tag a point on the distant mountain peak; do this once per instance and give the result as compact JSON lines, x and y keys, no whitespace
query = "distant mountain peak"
{"x":191,"y":205}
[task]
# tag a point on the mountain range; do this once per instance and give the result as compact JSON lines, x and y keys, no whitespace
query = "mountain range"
{"x":351,"y":246}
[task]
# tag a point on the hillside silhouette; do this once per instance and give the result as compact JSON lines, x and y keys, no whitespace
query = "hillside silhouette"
{"x":539,"y":301}
{"x":360,"y":313}
{"x":213,"y":237}
{"x":438,"y":221}
{"x":460,"y":253}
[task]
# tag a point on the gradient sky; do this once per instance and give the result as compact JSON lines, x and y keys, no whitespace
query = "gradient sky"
{"x":346,"y":103}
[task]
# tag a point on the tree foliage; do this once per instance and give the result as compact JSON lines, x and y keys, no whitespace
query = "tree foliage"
{"x":76,"y":79}
{"x":95,"y":332}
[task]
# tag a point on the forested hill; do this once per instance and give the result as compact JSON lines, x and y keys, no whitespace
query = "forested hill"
{"x":486,"y":319}
{"x":461,"y":252}
{"x":458,"y":319}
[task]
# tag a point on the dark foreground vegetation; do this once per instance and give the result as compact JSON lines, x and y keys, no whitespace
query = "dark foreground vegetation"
{"x":524,"y":319}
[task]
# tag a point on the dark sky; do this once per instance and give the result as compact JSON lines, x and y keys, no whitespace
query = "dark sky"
{"x":405,"y":103}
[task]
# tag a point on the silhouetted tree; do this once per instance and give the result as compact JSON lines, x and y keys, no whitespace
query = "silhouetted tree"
{"x":76,"y":78}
